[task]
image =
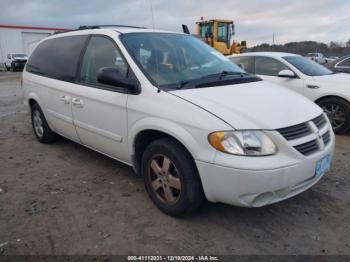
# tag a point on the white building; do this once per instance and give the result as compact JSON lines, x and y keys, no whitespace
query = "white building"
{"x":22,"y":39}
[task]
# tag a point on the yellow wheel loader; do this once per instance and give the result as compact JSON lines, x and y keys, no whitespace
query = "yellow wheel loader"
{"x":218,"y":33}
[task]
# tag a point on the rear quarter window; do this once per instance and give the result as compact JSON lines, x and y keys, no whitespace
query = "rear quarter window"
{"x":57,"y":58}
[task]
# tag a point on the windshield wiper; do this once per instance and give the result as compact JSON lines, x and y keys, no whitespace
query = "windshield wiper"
{"x":220,"y":75}
{"x":182,"y":84}
{"x":232,"y":73}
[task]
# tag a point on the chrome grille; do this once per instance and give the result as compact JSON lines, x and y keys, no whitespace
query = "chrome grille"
{"x":294,"y":132}
{"x":320,"y":121}
{"x":326,"y":138}
{"x":307,"y":148}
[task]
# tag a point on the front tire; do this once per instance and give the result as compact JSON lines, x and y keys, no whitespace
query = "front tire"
{"x":41,"y":129}
{"x":338,"y":112}
{"x":171,"y":178}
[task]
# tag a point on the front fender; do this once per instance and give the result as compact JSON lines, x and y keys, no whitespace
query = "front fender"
{"x":198,"y":147}
{"x":334,"y":94}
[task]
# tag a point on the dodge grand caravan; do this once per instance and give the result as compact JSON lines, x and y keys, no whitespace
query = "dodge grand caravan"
{"x":191,"y":122}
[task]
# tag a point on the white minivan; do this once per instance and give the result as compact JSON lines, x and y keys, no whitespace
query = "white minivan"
{"x":192,"y":123}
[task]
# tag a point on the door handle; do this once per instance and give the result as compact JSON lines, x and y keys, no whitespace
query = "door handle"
{"x":65,"y":99}
{"x":77,"y":102}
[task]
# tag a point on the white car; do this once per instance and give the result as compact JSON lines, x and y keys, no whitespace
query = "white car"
{"x":15,"y":61}
{"x":317,"y":57}
{"x":331,"y":59}
{"x":181,"y":114}
{"x":329,"y":90}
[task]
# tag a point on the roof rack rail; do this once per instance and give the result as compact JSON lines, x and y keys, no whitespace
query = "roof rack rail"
{"x":83,"y":27}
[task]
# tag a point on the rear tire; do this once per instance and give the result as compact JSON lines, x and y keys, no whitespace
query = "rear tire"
{"x":338,"y":112}
{"x":171,"y":178}
{"x":41,"y":129}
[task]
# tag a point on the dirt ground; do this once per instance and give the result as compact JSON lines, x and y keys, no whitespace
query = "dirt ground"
{"x":66,"y":199}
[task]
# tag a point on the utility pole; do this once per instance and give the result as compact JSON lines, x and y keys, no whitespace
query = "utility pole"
{"x":151,"y":5}
{"x":273,"y":39}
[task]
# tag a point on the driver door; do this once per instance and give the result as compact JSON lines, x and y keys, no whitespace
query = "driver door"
{"x":268,"y":68}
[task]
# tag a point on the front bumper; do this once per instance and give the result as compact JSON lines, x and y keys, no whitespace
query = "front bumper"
{"x":256,"y":187}
{"x":19,"y":64}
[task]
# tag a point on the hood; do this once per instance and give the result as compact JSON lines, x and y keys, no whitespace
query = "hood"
{"x":340,"y":78}
{"x":256,"y":105}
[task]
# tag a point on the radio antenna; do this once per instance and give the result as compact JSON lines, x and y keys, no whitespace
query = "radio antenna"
{"x":151,"y":5}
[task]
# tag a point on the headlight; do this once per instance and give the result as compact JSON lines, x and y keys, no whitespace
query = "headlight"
{"x":243,"y":142}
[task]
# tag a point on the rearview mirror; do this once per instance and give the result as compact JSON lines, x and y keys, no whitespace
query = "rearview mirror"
{"x":112,"y":76}
{"x":287,"y":73}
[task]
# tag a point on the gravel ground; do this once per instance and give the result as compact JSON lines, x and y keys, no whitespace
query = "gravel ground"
{"x":66,"y":199}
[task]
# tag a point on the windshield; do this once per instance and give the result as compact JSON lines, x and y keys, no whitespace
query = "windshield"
{"x":307,"y":66}
{"x":171,"y":59}
{"x":19,"y":55}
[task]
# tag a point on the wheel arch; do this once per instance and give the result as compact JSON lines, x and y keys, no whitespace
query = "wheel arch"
{"x":142,"y":135}
{"x":346,"y":124}
{"x":31,"y":99}
{"x":31,"y":102}
{"x":331,"y":96}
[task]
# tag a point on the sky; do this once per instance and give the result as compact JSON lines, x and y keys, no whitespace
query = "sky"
{"x":256,"y":20}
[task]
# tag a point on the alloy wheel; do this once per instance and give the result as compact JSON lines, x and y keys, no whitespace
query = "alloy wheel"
{"x":38,"y":123}
{"x":336,"y":115}
{"x":164,"y":179}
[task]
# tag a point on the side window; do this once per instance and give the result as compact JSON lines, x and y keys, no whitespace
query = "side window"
{"x":101,"y":52}
{"x":206,"y":30}
{"x":222,"y":32}
{"x":245,"y":62}
{"x":268,"y":66}
{"x":345,"y":63}
{"x":58,"y":57}
{"x":40,"y":58}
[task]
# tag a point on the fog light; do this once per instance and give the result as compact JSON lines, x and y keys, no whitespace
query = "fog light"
{"x":263,"y":199}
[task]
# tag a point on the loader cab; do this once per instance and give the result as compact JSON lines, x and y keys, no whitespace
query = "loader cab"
{"x":218,"y":34}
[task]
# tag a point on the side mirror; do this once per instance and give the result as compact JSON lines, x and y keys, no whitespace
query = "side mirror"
{"x":287,"y":74}
{"x":185,"y":29}
{"x":241,"y":65}
{"x":112,"y":76}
